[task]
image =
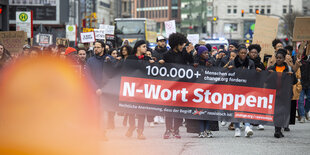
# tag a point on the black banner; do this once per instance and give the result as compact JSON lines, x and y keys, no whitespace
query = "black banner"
{"x":198,"y":93}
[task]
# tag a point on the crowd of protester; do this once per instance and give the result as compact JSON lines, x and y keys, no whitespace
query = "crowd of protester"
{"x":93,"y":58}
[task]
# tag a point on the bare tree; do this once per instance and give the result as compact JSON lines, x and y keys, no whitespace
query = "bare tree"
{"x":289,"y":20}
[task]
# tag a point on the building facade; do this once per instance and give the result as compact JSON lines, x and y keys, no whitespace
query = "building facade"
{"x":4,"y":15}
{"x":232,"y":25}
{"x":158,"y":10}
{"x":196,"y":16}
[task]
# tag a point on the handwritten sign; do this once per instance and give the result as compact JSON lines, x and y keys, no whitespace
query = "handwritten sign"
{"x":13,"y":41}
{"x":170,"y":27}
{"x":109,"y":29}
{"x":266,"y":29}
{"x":88,"y":37}
{"x":302,"y":29}
{"x":193,"y":38}
{"x":99,"y":33}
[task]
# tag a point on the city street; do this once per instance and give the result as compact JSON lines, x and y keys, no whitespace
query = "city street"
{"x":297,"y":141}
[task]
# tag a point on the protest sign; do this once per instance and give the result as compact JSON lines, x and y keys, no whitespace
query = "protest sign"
{"x":193,"y":38}
{"x":88,"y":37}
{"x":301,"y":29}
{"x":44,"y":39}
{"x":99,"y":33}
{"x":170,"y":27}
{"x":62,"y":41}
{"x":184,"y":91}
{"x":266,"y":30}
{"x":13,"y":41}
{"x":109,"y":29}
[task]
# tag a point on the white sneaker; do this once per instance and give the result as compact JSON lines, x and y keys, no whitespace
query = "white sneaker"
{"x":223,"y":123}
{"x":241,"y":125}
{"x":161,"y":119}
{"x":248,"y":132}
{"x":237,"y":132}
{"x":260,"y":127}
{"x":302,"y":120}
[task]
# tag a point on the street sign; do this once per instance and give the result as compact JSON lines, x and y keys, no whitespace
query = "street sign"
{"x":71,"y":32}
{"x":24,"y":22}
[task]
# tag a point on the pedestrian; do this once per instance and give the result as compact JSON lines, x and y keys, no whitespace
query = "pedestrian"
{"x":176,"y":55}
{"x":242,"y":61}
{"x":139,"y":55}
{"x":5,"y":56}
{"x":125,"y":51}
{"x":304,"y":105}
{"x":95,"y":65}
{"x":281,"y":66}
{"x":205,"y":126}
{"x":161,"y":48}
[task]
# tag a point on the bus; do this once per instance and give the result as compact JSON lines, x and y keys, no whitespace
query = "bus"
{"x":134,"y":29}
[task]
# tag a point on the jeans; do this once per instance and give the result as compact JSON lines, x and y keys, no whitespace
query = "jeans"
{"x":237,"y":125}
{"x":304,"y":108}
{"x":204,"y":125}
{"x":177,"y":123}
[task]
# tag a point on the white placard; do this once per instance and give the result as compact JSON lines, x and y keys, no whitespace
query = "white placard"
{"x":109,"y":29}
{"x":193,"y":38}
{"x":88,"y":37}
{"x":170,"y":27}
{"x":99,"y":33}
{"x":44,"y":39}
{"x":23,"y":22}
{"x":71,"y":32}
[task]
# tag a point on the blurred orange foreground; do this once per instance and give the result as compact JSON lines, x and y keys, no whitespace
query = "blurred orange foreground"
{"x":46,"y":109}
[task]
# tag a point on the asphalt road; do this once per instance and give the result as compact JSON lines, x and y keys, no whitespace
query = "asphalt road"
{"x":297,"y":141}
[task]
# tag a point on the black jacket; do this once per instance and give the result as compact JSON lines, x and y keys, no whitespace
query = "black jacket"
{"x":246,"y":64}
{"x":258,"y":63}
{"x":287,"y":69}
{"x":159,"y":53}
{"x":178,"y":57}
{"x":305,"y":72}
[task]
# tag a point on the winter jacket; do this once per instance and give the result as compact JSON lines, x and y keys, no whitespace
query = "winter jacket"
{"x":178,"y":57}
{"x":246,"y":64}
{"x":258,"y":63}
{"x":159,"y":53}
{"x":95,"y":65}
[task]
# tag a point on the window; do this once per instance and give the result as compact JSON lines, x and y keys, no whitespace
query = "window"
{"x":235,"y":9}
{"x":251,"y":9}
{"x":228,"y":9}
{"x":174,"y":13}
{"x":305,"y":10}
{"x":268,"y":9}
{"x":262,"y":10}
{"x":284,"y":9}
{"x":230,"y":27}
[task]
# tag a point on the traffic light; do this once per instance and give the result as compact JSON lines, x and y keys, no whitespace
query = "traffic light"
{"x":242,"y":13}
{"x":257,"y":11}
{"x":0,"y":11}
{"x":214,"y":19}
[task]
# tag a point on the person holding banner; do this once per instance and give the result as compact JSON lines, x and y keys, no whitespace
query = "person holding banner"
{"x":177,"y":55}
{"x":281,"y":66}
{"x":139,"y":54}
{"x":161,"y":48}
{"x":242,"y":61}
